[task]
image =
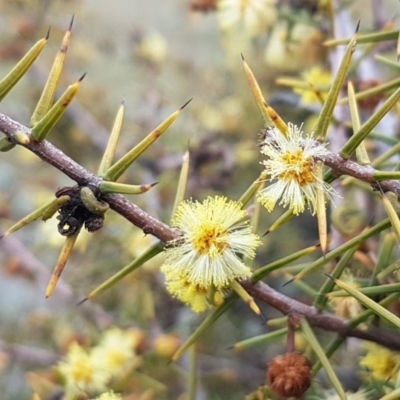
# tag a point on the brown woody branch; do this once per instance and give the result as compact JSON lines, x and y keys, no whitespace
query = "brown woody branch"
{"x":286,"y":305}
{"x":329,"y":322}
{"x":364,"y":173}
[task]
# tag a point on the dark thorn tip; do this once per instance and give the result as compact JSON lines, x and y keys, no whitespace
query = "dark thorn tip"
{"x":371,"y":221}
{"x":48,"y":33}
{"x":330,"y":277}
{"x":241,"y":55}
{"x":82,"y":301}
{"x":263,"y":318}
{"x":358,"y":26}
{"x":154,"y":184}
{"x":72,"y":22}
{"x":289,"y":281}
{"x":318,"y":245}
{"x":266,"y":233}
{"x":82,"y":77}
{"x":186,"y":104}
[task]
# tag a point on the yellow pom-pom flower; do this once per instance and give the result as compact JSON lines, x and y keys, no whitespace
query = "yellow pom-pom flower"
{"x":382,"y":362}
{"x":291,"y":162}
{"x":81,"y":373}
{"x":254,"y":16}
{"x":197,"y":298}
{"x":207,"y":255}
{"x":114,"y":352}
{"x":318,"y":77}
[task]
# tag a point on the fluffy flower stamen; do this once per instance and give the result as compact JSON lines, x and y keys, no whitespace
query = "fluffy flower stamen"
{"x":291,"y":164}
{"x":300,"y":168}
{"x":210,"y":239}
{"x":215,"y":235}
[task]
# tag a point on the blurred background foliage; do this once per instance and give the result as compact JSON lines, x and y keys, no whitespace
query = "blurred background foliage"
{"x":155,"y":55}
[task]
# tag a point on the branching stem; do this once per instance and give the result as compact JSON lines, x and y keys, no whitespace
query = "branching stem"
{"x":286,"y":305}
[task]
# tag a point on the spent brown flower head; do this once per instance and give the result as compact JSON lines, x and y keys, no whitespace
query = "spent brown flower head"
{"x":289,"y":375}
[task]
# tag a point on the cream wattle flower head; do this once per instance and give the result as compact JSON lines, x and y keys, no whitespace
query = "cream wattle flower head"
{"x":214,"y":234}
{"x":291,"y":164}
{"x":80,"y":371}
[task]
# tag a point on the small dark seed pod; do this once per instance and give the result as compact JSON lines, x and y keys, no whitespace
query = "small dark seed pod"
{"x":289,"y":375}
{"x":91,"y":202}
{"x":68,"y":226}
{"x":94,"y":223}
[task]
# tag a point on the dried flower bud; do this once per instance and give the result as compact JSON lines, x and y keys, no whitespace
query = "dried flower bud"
{"x":289,"y":375}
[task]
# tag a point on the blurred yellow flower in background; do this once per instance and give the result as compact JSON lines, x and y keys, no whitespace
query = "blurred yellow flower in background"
{"x":81,"y":373}
{"x":382,"y":362}
{"x":92,"y":371}
{"x":115,"y":350}
{"x":318,"y":77}
{"x":253,"y":16}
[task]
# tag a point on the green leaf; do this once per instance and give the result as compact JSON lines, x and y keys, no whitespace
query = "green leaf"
{"x":49,"y":120}
{"x":261,"y":340}
{"x":367,"y":302}
{"x":320,"y":298}
{"x":151,"y":252}
{"x":126,"y":161}
{"x":258,"y":96}
{"x":12,"y":78}
{"x":47,"y":97}
{"x":326,"y":113}
{"x":109,"y":153}
{"x":366,"y":38}
{"x":320,"y":352}
{"x":33,"y":216}
{"x":356,"y":241}
{"x":361,"y":152}
{"x":61,"y":262}
{"x":182,"y":182}
{"x":267,"y":269}
{"x":369,"y":291}
{"x":106,"y":187}
{"x":350,"y":147}
{"x":385,"y":87}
